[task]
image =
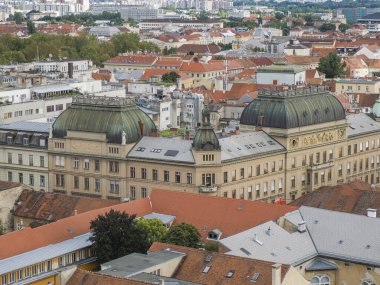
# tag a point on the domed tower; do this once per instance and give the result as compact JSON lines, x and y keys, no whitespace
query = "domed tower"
{"x":207,"y":151}
{"x":88,"y":145}
{"x":118,"y":118}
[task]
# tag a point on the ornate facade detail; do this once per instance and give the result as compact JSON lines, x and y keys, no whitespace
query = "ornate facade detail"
{"x":318,"y":138}
{"x":102,"y":100}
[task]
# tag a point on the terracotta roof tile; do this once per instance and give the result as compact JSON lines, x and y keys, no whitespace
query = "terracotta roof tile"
{"x":49,"y":207}
{"x":211,"y":48}
{"x":5,"y":185}
{"x":81,"y":277}
{"x":231,"y":216}
{"x":150,"y":72}
{"x":355,"y":197}
{"x":133,"y":59}
{"x":202,"y":67}
{"x":191,"y":268}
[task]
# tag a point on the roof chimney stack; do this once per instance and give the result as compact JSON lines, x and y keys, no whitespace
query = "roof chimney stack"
{"x":372,"y":213}
{"x":276,"y":274}
{"x":301,"y":227}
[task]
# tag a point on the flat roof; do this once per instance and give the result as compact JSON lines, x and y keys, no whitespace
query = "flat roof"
{"x":27,"y":126}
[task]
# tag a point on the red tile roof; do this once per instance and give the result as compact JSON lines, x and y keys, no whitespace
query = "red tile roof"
{"x":192,"y":266}
{"x":81,"y":277}
{"x":203,"y":49}
{"x":231,"y":216}
{"x":355,"y":197}
{"x":202,"y":67}
{"x":134,"y":59}
{"x":150,"y":72}
{"x":50,"y":207}
{"x":5,"y":185}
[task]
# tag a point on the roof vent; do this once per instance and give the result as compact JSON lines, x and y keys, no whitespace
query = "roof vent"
{"x":245,"y":251}
{"x":208,"y":258}
{"x":230,"y":273}
{"x":372,"y":213}
{"x":368,"y":246}
{"x":340,"y":241}
{"x":301,"y":227}
{"x":255,"y":239}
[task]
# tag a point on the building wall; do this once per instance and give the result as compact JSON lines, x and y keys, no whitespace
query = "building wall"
{"x":362,"y":86}
{"x":7,"y":200}
{"x":280,"y":78}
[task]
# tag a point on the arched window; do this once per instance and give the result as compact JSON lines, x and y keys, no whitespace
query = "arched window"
{"x":368,"y":282}
{"x":321,"y":280}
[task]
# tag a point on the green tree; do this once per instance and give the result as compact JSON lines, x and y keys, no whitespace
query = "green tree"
{"x":203,"y":15}
{"x":18,"y":18}
{"x":183,"y":234}
{"x":211,"y":246}
{"x":344,"y":27}
{"x":170,"y":77}
{"x":309,"y":20}
{"x":116,"y":234}
{"x":327,"y":27}
{"x":30,"y":27}
{"x":168,"y":51}
{"x":331,"y":65}
{"x":154,"y":229}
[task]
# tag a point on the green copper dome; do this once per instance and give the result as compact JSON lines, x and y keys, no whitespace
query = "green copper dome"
{"x":376,"y":108}
{"x":111,"y":116}
{"x":293,"y":108}
{"x":206,"y":139}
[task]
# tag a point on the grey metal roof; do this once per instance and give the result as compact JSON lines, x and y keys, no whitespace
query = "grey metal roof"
{"x":165,"y":219}
{"x":157,"y":149}
{"x":248,"y":144}
{"x":26,"y":126}
{"x":135,"y":263}
{"x":359,"y":124}
{"x":155,"y":279}
{"x":275,"y":245}
{"x":44,"y":253}
{"x":343,"y":235}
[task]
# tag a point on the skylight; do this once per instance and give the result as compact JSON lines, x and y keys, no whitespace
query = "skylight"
{"x":230,"y":273}
{"x":208,"y":258}
{"x":156,"y":150}
{"x":255,"y":277}
{"x":171,"y":152}
{"x":245,"y":251}
{"x":206,"y":269}
{"x":140,"y":149}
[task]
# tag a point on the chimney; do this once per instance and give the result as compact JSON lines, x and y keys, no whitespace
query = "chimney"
{"x":301,"y":227}
{"x":237,"y":130}
{"x":75,"y":212}
{"x":223,"y":132}
{"x":260,"y":124}
{"x":276,"y":274}
{"x":372,"y":213}
{"x":141,"y":125}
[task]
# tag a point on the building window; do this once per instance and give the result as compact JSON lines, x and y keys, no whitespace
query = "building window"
{"x":257,"y":170}
{"x":9,"y":158}
{"x":42,"y":181}
{"x":86,"y":164}
{"x":265,"y":188}
{"x":21,"y":178}
{"x":320,"y":280}
{"x":86,"y":183}
{"x":4,"y":280}
{"x":143,"y":173}
{"x":114,"y":187}
{"x":225,"y":177}
{"x":34,"y":270}
{"x":60,"y":180}
{"x":280,"y":184}
{"x":19,"y":158}
{"x":293,"y":181}
{"x":20,"y":275}
{"x":132,"y":194}
{"x":208,"y":179}
{"x":10,"y":176}
{"x":59,"y":145}
{"x":143,"y":192}
{"x":31,"y":160}
{"x":166,"y":176}
{"x":76,"y":163}
{"x":155,"y":174}
{"x":97,"y":185}
{"x":114,"y":166}
{"x":241,"y":173}
{"x":76,"y":182}
{"x":367,"y":282}
{"x":42,"y":161}
{"x":31,"y":179}
{"x":97,"y":164}
{"x":177,"y":177}
{"x":27,"y":272}
{"x":132,"y":171}
{"x":273,"y":185}
{"x":60,"y":161}
{"x":42,"y":267}
{"x":189,"y":178}
{"x":25,"y":141}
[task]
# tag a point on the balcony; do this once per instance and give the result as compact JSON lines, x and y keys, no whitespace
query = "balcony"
{"x":321,"y":166}
{"x":208,"y":189}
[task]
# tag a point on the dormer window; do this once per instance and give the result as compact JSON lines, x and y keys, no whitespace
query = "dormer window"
{"x":9,"y":139}
{"x":214,"y":234}
{"x":25,"y":141}
{"x":42,"y":142}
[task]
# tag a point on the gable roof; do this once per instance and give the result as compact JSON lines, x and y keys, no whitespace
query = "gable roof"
{"x":133,"y":59}
{"x":205,"y":213}
{"x":242,"y":269}
{"x":211,"y":48}
{"x":90,"y":278}
{"x":202,"y":67}
{"x":49,"y":207}
{"x":354,"y":197}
